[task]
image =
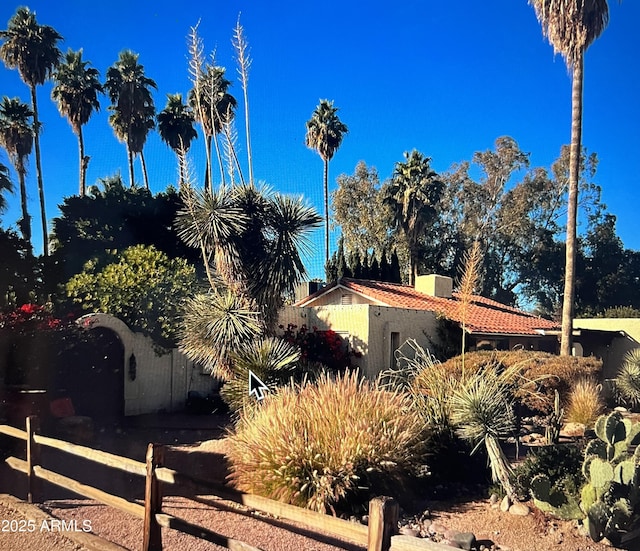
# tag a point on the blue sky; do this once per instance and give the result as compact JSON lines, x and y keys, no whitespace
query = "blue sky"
{"x":446,"y":78}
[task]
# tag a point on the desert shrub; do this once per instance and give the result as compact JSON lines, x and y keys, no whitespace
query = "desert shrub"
{"x":318,"y":444}
{"x":561,"y":463}
{"x":543,"y":372}
{"x":584,"y":404}
{"x":628,"y":378}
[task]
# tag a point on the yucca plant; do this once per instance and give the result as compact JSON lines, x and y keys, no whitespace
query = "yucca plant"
{"x":272,"y":360}
{"x":482,"y":410}
{"x":317,"y":444}
{"x":215,"y":325}
{"x":585,"y":403}
{"x":628,"y":378}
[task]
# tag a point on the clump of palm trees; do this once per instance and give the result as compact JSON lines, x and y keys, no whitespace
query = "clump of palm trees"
{"x":33,"y":50}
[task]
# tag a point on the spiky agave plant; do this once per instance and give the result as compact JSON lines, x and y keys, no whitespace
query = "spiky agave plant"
{"x":628,"y":378}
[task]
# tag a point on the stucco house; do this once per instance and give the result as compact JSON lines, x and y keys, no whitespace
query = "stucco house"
{"x":608,"y":339}
{"x":375,"y":318}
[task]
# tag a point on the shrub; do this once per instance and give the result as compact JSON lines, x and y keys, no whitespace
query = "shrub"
{"x":628,"y":378}
{"x":318,"y":444}
{"x":585,"y":403}
{"x":545,"y":373}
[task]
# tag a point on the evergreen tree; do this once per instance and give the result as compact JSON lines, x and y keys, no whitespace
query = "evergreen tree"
{"x":394,"y":268}
{"x":374,"y":268}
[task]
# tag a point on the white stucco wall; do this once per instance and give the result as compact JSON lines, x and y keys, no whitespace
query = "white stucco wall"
{"x":162,"y":381}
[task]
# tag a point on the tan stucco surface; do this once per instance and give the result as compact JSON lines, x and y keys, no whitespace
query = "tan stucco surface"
{"x":613,"y":355}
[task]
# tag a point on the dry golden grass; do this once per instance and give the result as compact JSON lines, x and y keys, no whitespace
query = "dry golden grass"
{"x":317,"y":444}
{"x":585,"y":403}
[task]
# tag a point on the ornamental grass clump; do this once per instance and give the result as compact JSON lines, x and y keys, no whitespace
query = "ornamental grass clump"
{"x":585,"y":403}
{"x":316,"y":445}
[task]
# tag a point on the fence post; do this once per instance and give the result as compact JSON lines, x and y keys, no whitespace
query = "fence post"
{"x":152,"y":500}
{"x":383,"y":523}
{"x":34,"y":492}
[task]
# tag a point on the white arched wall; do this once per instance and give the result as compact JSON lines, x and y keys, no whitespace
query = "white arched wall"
{"x":162,"y":381}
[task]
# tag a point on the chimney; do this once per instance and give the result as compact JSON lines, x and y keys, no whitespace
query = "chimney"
{"x":434,"y":285}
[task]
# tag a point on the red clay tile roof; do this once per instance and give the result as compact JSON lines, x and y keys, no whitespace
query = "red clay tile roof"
{"x":484,"y":315}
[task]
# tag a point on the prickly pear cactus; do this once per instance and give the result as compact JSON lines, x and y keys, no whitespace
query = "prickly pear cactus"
{"x":552,"y":501}
{"x":611,"y":498}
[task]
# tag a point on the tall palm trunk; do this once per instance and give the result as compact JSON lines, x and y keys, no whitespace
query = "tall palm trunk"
{"x":145,"y":175}
{"x":82,"y":163}
{"x":326,"y":211}
{"x":572,"y":212}
{"x":130,"y":160}
{"x":25,"y":222}
{"x":43,"y":214}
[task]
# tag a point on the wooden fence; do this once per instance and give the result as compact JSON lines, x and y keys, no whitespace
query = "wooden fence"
{"x":379,"y":535}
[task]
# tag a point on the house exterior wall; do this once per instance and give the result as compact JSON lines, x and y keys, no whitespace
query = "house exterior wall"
{"x":369,"y":329}
{"x":335,"y":297}
{"x":162,"y":381}
{"x":612,"y":355}
{"x":347,"y":320}
{"x":420,"y":325}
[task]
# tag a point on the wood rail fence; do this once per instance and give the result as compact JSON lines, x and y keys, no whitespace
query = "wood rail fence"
{"x":379,"y":535}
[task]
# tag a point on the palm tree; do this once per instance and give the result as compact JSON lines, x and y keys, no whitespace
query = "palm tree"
{"x":571,"y":26}
{"x":132,"y":108}
{"x":76,"y":92}
{"x":325,"y":132}
{"x":6,"y":185}
{"x":413,"y":194}
{"x":33,"y":50}
{"x":213,"y":107}
{"x":175,"y":124}
{"x":17,"y":136}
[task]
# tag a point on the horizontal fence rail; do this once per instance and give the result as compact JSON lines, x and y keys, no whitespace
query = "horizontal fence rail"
{"x":379,"y":535}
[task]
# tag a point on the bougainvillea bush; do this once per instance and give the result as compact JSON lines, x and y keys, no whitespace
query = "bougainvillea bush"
{"x":324,"y":347}
{"x":32,"y":343}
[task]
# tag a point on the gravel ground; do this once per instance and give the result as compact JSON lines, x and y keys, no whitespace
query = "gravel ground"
{"x":25,"y":527}
{"x":126,"y":530}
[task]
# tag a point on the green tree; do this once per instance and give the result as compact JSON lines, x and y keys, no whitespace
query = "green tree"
{"x":6,"y":186}
{"x":325,"y":132}
{"x":132,"y":108}
{"x":20,"y":276}
{"x":110,"y":219}
{"x":141,"y":285}
{"x":76,"y":92}
{"x":33,"y":50}
{"x":16,"y":136}
{"x":175,"y":125}
{"x":213,"y":107}
{"x":364,"y":219}
{"x":571,"y":26}
{"x":413,"y":195}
